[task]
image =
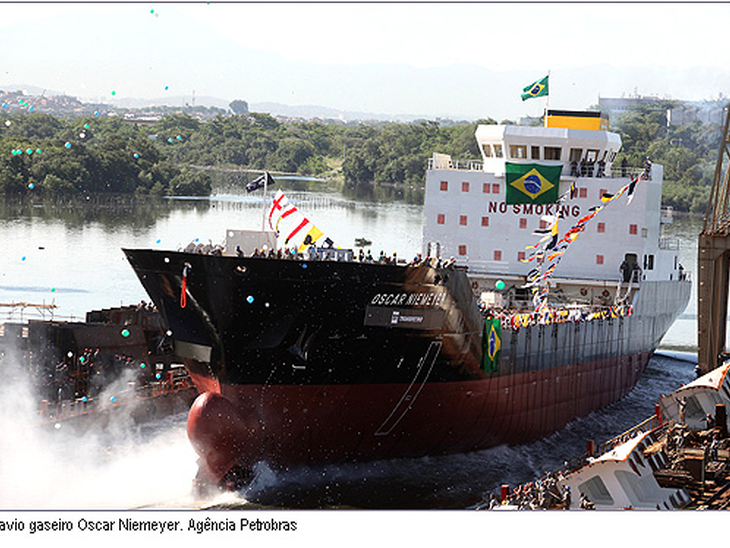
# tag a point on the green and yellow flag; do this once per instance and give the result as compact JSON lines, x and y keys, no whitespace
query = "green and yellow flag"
{"x":532,"y":183}
{"x":491,"y":344}
{"x":536,"y":89}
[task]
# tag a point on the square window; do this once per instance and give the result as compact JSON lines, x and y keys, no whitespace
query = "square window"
{"x":543,"y":224}
{"x":601,"y":228}
{"x":599,"y":259}
{"x":465,"y":186}
{"x":518,"y":151}
{"x":486,"y":188}
{"x":523,"y":223}
{"x":552,"y":153}
{"x":444,"y":185}
{"x":582,"y":193}
{"x":462,"y":220}
{"x":601,"y":193}
{"x":495,"y":189}
{"x":520,"y":255}
{"x":462,"y":250}
{"x":497,"y":255}
{"x":441,"y":219}
{"x":633,"y":229}
{"x":485,"y":221}
{"x":535,"y":153}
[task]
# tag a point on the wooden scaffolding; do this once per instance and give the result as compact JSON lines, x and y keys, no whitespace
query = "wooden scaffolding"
{"x":713,"y":260}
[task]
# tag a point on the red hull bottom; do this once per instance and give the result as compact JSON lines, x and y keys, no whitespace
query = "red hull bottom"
{"x":240,"y":425}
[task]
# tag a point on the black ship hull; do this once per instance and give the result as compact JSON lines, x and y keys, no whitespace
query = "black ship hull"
{"x":321,"y":361}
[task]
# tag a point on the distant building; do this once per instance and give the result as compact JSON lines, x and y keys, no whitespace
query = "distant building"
{"x":684,"y":113}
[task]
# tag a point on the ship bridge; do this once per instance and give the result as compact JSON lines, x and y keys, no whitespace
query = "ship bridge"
{"x":568,"y":136}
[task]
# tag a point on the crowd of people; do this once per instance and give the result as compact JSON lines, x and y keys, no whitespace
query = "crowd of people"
{"x":544,"y":493}
{"x":514,"y":320}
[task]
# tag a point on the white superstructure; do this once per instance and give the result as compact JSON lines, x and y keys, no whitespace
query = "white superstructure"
{"x":467,"y":216}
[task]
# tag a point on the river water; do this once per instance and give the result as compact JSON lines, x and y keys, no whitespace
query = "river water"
{"x":70,"y":255}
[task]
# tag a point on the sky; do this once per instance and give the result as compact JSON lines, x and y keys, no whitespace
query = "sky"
{"x":435,"y":59}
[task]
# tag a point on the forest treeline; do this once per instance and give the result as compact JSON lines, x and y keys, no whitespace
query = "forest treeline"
{"x":51,"y":156}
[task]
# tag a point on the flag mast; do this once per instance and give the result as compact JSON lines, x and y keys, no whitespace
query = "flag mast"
{"x":263,"y":210}
{"x":547,"y":101}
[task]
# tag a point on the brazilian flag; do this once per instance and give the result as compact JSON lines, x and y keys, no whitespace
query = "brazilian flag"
{"x":536,"y":89}
{"x":532,"y":183}
{"x":491,"y":344}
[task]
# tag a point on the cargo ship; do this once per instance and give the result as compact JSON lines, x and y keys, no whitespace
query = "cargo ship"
{"x":544,"y":285}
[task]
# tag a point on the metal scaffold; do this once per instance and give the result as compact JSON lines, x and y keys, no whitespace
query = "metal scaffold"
{"x":714,"y":263}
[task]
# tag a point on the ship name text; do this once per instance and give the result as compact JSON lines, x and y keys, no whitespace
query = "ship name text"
{"x":409,"y":299}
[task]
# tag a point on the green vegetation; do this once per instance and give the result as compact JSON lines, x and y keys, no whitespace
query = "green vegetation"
{"x":81,"y":156}
{"x":688,"y":154}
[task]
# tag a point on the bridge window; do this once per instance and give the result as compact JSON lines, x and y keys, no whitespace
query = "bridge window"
{"x":535,"y":153}
{"x":591,"y":154}
{"x":498,"y":151}
{"x":552,"y":153}
{"x":444,"y":185}
{"x":486,"y":188}
{"x":576,"y":154}
{"x":465,"y":186}
{"x":487,"y":150}
{"x":495,"y":188}
{"x":518,"y":152}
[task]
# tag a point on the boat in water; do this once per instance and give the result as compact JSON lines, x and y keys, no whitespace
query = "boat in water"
{"x":543,"y":288}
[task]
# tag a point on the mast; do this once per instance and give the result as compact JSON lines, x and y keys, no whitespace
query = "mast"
{"x":263,"y":210}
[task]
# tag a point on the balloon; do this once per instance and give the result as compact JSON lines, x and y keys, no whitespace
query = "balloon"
{"x":31,"y":186}
{"x":96,"y":113}
{"x":125,"y":333}
{"x":499,"y":285}
{"x":249,"y":299}
{"x":67,"y":145}
{"x":136,"y":155}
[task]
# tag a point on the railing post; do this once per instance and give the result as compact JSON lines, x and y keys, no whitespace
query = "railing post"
{"x":658,"y":415}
